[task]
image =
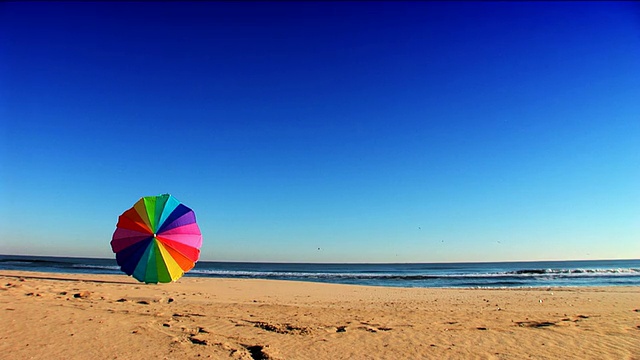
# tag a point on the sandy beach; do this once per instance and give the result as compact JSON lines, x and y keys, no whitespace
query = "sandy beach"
{"x":76,"y":316}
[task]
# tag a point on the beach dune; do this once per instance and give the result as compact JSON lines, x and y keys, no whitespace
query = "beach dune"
{"x":79,"y":316}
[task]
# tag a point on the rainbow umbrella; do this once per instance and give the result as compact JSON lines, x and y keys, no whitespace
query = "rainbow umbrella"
{"x":157,"y":240}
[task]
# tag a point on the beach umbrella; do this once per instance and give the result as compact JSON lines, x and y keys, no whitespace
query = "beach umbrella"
{"x":157,"y":240}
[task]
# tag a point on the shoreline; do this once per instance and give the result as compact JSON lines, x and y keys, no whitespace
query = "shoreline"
{"x":68,"y":276}
{"x":62,"y":315}
{"x":463,"y":275}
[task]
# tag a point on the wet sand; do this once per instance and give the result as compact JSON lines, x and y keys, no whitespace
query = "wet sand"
{"x":76,"y":316}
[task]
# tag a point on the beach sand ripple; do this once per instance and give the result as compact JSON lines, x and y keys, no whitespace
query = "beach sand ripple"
{"x":71,"y":316}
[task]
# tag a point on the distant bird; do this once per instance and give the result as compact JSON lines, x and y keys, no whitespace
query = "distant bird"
{"x":419,"y":228}
{"x":318,"y":248}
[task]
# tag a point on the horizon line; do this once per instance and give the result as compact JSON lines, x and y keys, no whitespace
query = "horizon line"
{"x":343,"y":263}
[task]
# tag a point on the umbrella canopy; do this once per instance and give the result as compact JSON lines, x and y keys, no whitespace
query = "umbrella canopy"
{"x":157,"y":240}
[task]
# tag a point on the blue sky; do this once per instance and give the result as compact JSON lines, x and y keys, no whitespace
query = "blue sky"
{"x":326,"y":132}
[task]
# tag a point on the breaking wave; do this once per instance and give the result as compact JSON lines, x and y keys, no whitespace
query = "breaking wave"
{"x":409,"y":277}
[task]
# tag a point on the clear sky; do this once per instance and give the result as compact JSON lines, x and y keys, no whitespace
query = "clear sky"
{"x":326,"y":132}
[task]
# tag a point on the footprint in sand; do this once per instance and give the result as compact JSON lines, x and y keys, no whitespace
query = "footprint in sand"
{"x":535,"y":324}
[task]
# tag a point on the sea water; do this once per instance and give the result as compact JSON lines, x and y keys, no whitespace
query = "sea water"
{"x":466,"y":275}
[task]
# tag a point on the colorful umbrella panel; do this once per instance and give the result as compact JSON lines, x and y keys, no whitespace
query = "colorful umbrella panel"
{"x":157,"y":240}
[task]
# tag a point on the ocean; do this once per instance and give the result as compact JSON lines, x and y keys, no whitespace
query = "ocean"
{"x":457,"y":275}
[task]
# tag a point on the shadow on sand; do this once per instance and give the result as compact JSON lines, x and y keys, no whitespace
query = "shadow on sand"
{"x":22,"y":276}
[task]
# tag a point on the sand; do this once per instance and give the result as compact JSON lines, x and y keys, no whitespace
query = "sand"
{"x":71,"y":316}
